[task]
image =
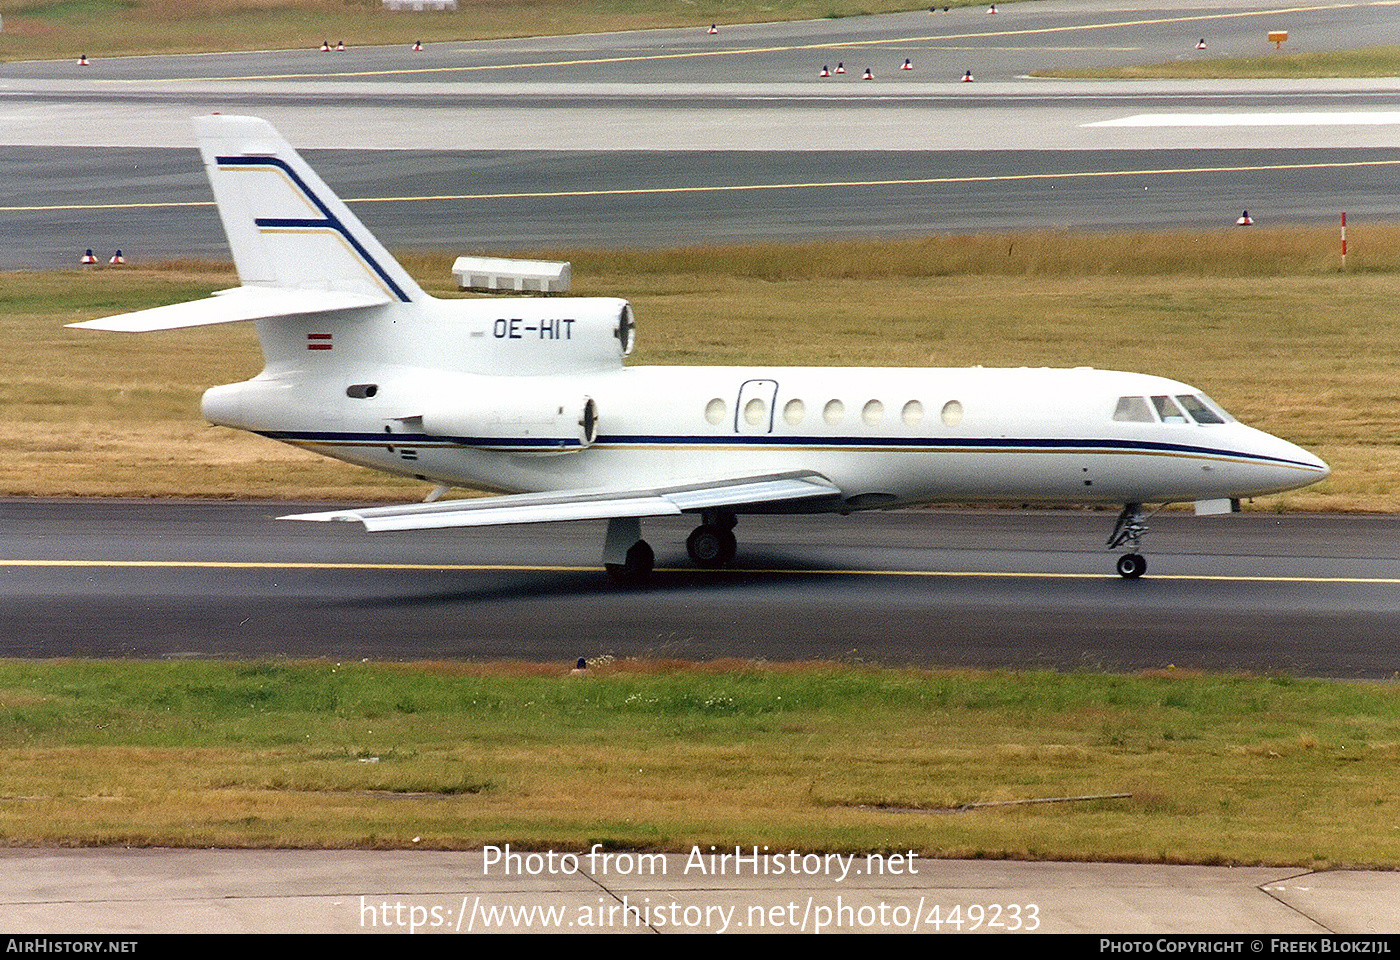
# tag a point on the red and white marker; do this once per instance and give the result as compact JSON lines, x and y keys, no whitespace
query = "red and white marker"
{"x":417,"y":46}
{"x":88,"y":258}
{"x":967,"y":77}
{"x":714,"y":28}
{"x":840,"y":68}
{"x":907,"y":65}
{"x":325,"y":46}
{"x":340,"y":46}
{"x":82,"y":60}
{"x":825,"y":72}
{"x":1201,"y":44}
{"x":868,"y":75}
{"x":1245,"y":220}
{"x":1344,"y":240}
{"x":992,"y":8}
{"x":117,"y":258}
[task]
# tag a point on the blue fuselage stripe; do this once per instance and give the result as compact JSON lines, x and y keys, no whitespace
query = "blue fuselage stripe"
{"x":886,"y":444}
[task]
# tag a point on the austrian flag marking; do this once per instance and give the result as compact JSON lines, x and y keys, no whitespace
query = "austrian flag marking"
{"x":319,"y":341}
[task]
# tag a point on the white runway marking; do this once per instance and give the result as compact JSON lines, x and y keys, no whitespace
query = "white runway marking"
{"x":1342,"y":119}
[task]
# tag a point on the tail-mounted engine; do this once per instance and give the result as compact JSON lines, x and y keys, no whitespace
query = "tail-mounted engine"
{"x":508,"y":414}
{"x":563,"y":335}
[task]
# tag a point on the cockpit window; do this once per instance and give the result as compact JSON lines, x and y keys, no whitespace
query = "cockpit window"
{"x":1168,"y":410}
{"x":1215,"y":408}
{"x":1133,"y":410}
{"x":1199,"y":411}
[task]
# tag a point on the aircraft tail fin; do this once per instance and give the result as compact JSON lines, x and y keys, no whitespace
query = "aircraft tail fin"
{"x":285,"y":227}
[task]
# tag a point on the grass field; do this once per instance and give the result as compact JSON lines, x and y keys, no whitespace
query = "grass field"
{"x":1363,"y":62}
{"x":1223,"y":770}
{"x":1264,"y":321}
{"x":48,"y":29}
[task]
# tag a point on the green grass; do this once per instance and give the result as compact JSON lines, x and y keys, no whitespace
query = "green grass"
{"x":662,"y":756}
{"x":1263,"y":320}
{"x":1275,"y":64}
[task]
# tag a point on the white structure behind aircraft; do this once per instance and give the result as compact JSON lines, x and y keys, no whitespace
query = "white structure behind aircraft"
{"x":531,"y":397}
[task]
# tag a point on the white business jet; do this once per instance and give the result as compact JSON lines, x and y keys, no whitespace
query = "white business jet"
{"x":531,"y":398}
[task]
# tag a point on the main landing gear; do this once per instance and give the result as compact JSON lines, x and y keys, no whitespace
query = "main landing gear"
{"x":712,"y":544}
{"x":1130,"y":529}
{"x":629,"y":559}
{"x":626,"y":556}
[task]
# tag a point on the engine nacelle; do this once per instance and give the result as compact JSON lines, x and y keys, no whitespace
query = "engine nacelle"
{"x":504,"y":413}
{"x":564,"y":335}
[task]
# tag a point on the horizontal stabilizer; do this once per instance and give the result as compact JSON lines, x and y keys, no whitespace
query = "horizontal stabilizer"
{"x":231,"y":306}
{"x":590,"y":504}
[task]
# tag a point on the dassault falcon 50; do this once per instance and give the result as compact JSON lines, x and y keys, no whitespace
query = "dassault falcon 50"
{"x":531,"y":398}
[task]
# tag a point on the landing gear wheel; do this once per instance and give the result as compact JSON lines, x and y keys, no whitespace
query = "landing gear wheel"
{"x":636,"y":569}
{"x":711,"y":546}
{"x":1131,"y":566}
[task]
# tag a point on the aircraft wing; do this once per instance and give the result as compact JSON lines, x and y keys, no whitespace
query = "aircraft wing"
{"x":231,"y":306}
{"x":734,"y":492}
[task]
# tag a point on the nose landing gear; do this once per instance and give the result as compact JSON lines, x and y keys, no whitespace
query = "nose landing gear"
{"x":1130,"y":529}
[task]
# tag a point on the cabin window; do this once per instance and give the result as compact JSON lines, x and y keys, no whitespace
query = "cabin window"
{"x":873,"y":412}
{"x":755,"y":412}
{"x":912,"y":414}
{"x":714,"y":411}
{"x":1168,"y":410}
{"x":834,"y":412}
{"x":1199,"y":411}
{"x":794,"y":411}
{"x":1133,"y":410}
{"x":952,"y":413}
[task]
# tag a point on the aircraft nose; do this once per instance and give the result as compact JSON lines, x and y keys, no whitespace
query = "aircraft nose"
{"x":1289,"y":464}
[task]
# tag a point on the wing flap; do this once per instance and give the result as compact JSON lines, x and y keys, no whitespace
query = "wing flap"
{"x":231,"y":306}
{"x":589,"y":504}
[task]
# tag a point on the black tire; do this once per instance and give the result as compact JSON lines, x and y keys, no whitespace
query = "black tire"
{"x":1131,"y":566}
{"x":711,"y":546}
{"x":636,"y":569}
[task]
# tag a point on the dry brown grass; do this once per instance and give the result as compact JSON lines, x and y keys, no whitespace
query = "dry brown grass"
{"x":1262,"y":321}
{"x":39,"y":29}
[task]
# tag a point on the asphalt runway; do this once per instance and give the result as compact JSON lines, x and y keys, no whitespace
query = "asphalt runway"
{"x":676,"y":137}
{"x":1022,"y":38}
{"x":1304,"y":595}
{"x":449,"y":200}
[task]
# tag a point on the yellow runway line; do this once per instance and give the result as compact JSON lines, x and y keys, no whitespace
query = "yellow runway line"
{"x":545,"y":568}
